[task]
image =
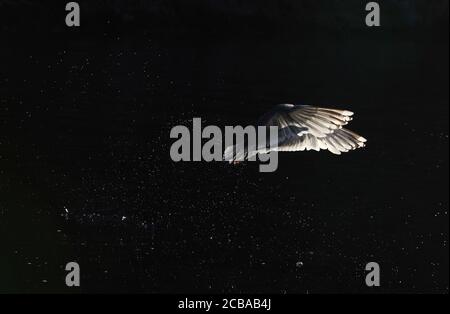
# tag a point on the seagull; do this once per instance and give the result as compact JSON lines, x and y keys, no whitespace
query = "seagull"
{"x":303,"y":127}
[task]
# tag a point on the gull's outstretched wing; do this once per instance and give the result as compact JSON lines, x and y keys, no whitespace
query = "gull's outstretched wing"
{"x":304,"y":128}
{"x":312,"y":128}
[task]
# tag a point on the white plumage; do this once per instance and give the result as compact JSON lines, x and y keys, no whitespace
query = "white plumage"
{"x":306,"y":128}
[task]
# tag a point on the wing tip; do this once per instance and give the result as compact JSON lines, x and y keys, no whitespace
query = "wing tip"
{"x":348,"y":113}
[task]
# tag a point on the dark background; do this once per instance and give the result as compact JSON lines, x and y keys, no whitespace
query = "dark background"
{"x":85,"y":115}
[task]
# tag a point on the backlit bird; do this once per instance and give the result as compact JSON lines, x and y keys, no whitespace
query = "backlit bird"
{"x":302,"y":128}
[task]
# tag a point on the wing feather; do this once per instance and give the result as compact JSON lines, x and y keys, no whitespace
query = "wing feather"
{"x":324,"y":129}
{"x":307,"y":128}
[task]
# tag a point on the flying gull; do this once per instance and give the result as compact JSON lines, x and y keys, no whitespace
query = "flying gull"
{"x":303,"y":127}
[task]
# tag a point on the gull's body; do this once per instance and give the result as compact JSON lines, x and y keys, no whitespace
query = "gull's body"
{"x":304,"y":128}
